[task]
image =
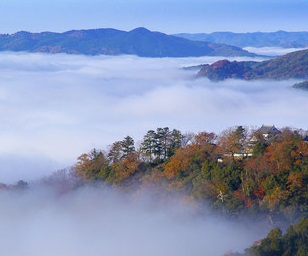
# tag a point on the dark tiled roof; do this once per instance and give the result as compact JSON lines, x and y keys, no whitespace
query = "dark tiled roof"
{"x":268,"y":129}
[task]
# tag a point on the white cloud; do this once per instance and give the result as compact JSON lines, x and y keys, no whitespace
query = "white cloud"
{"x":56,"y":107}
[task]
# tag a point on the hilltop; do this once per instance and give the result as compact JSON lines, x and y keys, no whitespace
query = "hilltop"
{"x":292,"y":65}
{"x":140,"y":42}
{"x":302,"y":85}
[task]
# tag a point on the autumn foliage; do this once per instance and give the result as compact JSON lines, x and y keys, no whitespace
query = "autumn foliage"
{"x":237,"y":171}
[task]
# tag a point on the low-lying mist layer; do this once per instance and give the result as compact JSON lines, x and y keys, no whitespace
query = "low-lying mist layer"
{"x":96,"y":221}
{"x":272,"y":51}
{"x":55,"y":107}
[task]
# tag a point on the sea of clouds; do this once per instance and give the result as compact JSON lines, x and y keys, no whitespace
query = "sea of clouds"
{"x":53,"y":108}
{"x":99,"y":221}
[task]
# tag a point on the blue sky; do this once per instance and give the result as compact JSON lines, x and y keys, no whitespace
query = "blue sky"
{"x":169,"y":16}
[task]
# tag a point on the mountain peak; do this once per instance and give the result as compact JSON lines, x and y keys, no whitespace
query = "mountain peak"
{"x":140,"y":30}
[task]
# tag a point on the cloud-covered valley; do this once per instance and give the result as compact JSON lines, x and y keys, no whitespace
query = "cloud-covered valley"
{"x":55,"y":107}
{"x":96,"y":221}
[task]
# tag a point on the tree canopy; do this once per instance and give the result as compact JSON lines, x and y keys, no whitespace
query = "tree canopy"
{"x":237,"y":171}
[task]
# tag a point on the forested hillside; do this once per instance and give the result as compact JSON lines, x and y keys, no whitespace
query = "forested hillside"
{"x":241,"y":173}
{"x":238,"y":172}
{"x":293,"y":242}
{"x":291,"y":65}
{"x":140,"y":42}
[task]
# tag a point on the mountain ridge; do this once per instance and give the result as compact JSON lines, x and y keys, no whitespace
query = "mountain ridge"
{"x":254,"y":39}
{"x":140,"y":41}
{"x":291,"y":65}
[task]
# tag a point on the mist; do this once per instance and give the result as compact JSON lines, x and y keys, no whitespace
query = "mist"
{"x":272,"y":51}
{"x":53,"y":108}
{"x":101,"y":221}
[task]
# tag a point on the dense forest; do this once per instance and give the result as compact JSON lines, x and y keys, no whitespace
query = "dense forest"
{"x":239,"y":173}
{"x":293,"y":242}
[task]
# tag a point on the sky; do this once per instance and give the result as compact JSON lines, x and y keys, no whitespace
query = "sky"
{"x":168,"y":16}
{"x":55,"y":107}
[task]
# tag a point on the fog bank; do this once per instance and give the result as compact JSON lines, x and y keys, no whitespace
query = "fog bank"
{"x":103,"y":222}
{"x":53,"y":108}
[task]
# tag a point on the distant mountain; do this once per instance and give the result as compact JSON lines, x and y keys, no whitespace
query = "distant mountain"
{"x":140,"y":42}
{"x":257,"y":39}
{"x":302,"y":85}
{"x":292,"y":65}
